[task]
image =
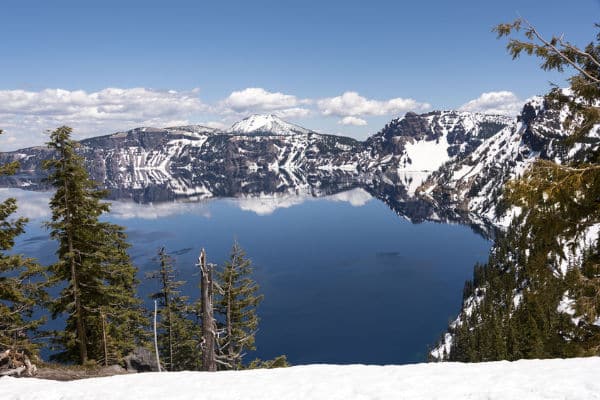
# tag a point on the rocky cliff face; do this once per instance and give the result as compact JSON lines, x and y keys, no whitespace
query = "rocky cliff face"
{"x":425,"y":142}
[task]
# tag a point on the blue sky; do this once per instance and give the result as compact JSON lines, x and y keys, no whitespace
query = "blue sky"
{"x":119,"y":64}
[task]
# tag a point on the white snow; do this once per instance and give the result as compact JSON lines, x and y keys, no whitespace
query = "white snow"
{"x":427,"y":155}
{"x":412,"y":180}
{"x":575,"y":247}
{"x":572,"y":379}
{"x":567,"y":306}
{"x":441,"y":352}
{"x":266,"y":123}
{"x":517,"y":299}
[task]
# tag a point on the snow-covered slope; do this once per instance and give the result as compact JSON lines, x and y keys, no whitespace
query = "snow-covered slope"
{"x":266,"y":124}
{"x":473,"y":184}
{"x":572,"y":379}
{"x":427,"y":141}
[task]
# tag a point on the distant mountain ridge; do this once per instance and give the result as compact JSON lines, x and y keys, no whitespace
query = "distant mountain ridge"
{"x":147,"y":156}
{"x":454,"y":160}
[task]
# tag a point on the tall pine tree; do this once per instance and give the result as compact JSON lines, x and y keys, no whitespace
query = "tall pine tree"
{"x":19,"y":281}
{"x":236,"y":303}
{"x":104,"y":318}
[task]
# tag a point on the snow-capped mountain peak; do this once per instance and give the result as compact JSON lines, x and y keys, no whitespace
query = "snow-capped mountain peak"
{"x":266,"y":124}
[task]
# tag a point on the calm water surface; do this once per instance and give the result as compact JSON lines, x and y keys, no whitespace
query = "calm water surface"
{"x":345,"y":279}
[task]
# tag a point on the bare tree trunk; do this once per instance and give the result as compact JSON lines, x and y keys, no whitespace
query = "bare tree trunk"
{"x":167,"y":300}
{"x":14,"y":363}
{"x":16,"y":371}
{"x":171,"y":362}
{"x":230,"y":350}
{"x":4,"y":354}
{"x":156,"y":337}
{"x":81,"y":336}
{"x":209,"y":362}
{"x":103,"y":317}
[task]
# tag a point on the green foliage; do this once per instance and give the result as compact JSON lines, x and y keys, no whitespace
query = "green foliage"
{"x":556,"y":53}
{"x":514,"y":305}
{"x":497,"y":327}
{"x":104,"y":318}
{"x":277,"y":362}
{"x":179,"y":335}
{"x":237,"y":304}
{"x":20,"y":289}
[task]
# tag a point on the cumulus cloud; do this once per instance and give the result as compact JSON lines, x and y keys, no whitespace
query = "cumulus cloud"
{"x":352,"y":104}
{"x":296,"y":112}
{"x":26,"y":115}
{"x":502,"y":102}
{"x":255,"y":100}
{"x":352,"y":121}
{"x":261,"y":99}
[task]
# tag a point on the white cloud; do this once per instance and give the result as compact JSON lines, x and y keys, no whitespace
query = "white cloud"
{"x":356,"y":197}
{"x":215,"y":125}
{"x":27,"y":115}
{"x":352,"y":121}
{"x":296,"y":112}
{"x":34,"y":205}
{"x":259,"y":99}
{"x":268,"y":204}
{"x":502,"y":102}
{"x":130,"y":210}
{"x":353,"y":104}
{"x":241,"y":103}
{"x":31,"y":204}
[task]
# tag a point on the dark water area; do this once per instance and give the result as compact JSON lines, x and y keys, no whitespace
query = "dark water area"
{"x":345,"y":279}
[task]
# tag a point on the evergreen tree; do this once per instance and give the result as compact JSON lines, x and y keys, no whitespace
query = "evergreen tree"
{"x":562,"y":200}
{"x":277,"y":362}
{"x":558,"y":202}
{"x":179,"y":336}
{"x":237,"y":303}
{"x":104,"y":318}
{"x":19,"y":290}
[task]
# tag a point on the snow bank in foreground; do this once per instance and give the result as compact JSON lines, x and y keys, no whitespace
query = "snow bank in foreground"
{"x":526,"y":379}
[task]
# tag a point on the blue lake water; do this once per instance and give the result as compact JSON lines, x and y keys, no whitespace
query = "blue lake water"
{"x":345,"y":279}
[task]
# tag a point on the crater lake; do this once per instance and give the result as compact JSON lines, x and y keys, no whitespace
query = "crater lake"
{"x":345,"y":277}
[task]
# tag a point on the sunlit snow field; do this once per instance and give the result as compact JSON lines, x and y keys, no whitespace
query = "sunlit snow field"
{"x":573,"y":379}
